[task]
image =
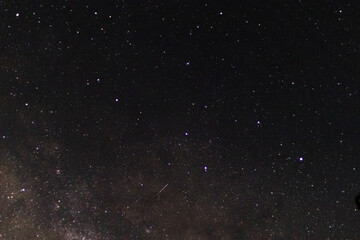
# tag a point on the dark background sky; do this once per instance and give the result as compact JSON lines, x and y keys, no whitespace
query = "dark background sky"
{"x":179,"y":120}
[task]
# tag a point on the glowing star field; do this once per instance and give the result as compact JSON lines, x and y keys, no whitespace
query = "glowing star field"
{"x":168,"y":120}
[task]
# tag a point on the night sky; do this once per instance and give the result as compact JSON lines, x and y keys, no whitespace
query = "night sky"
{"x":179,"y":120}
